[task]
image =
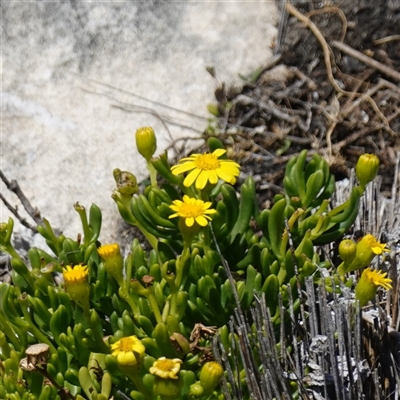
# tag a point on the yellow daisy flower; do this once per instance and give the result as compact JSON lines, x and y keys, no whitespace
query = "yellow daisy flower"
{"x":207,"y":168}
{"x":367,"y":248}
{"x":113,"y":261}
{"x":127,"y":350}
{"x":77,"y":285}
{"x":376,"y":247}
{"x":166,"y":368}
{"x":76,"y":274}
{"x":192,"y":210}
{"x":368,"y":284}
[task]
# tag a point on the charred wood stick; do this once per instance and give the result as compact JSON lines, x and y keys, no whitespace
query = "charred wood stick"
{"x":367,"y":60}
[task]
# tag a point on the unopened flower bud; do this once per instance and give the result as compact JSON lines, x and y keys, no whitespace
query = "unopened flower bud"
{"x":347,"y":250}
{"x":146,"y":142}
{"x":210,"y":375}
{"x":366,"y":169}
{"x":196,"y":390}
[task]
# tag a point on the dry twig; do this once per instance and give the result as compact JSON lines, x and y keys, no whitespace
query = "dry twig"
{"x":33,"y":212}
{"x":367,"y":60}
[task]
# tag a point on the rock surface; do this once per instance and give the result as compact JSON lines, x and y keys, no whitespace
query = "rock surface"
{"x":67,"y":65}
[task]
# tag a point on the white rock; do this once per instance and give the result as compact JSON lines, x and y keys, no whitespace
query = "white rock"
{"x":66,"y":64}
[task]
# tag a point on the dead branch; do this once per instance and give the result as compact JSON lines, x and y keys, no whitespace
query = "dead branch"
{"x":367,"y":60}
{"x":13,"y":186}
{"x":14,"y":210}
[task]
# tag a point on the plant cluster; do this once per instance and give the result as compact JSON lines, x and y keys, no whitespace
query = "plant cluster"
{"x":141,"y":326}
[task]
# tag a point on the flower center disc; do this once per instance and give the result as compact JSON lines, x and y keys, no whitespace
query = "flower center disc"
{"x":126,"y":344}
{"x":165,"y":365}
{"x":191,"y":210}
{"x":207,"y":162}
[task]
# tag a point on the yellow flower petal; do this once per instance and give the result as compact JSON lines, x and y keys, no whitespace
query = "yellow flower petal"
{"x":126,"y":358}
{"x":127,"y":349}
{"x":206,"y":168}
{"x":368,"y":284}
{"x":181,"y":168}
{"x":230,"y":167}
{"x":202,"y":221}
{"x":189,"y":221}
{"x":166,"y":368}
{"x":192,"y":210}
{"x":191,"y":177}
{"x":77,"y":274}
{"x":226,"y":176}
{"x":219,"y":152}
{"x":202,"y":179}
{"x":213,"y":177}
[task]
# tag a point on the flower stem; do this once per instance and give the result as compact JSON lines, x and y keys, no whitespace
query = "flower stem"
{"x":180,"y":264}
{"x":125,"y":296}
{"x":154,"y":306}
{"x":136,"y":379}
{"x":153,"y":173}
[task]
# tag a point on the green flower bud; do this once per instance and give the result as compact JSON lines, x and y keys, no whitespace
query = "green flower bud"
{"x":210,"y":375}
{"x":367,"y":168}
{"x":146,"y":142}
{"x":368,"y":284}
{"x":213,"y":109}
{"x":126,"y":182}
{"x":347,"y":250}
{"x":196,"y":390}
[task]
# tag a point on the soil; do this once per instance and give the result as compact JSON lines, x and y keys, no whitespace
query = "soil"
{"x":292,"y":104}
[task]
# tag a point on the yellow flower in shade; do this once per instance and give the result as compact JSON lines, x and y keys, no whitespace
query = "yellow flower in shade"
{"x":113,"y":261}
{"x":77,"y":285}
{"x":367,"y":248}
{"x":128,"y":350}
{"x":207,"y":168}
{"x":192,"y":210}
{"x":166,"y":368}
{"x":368,"y":284}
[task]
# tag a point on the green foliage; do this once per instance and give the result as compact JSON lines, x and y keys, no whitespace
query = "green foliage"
{"x":172,"y":299}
